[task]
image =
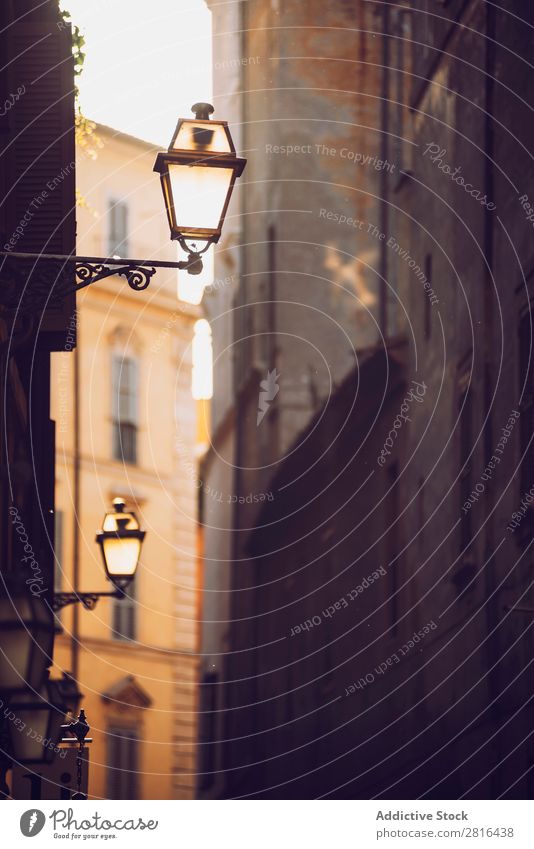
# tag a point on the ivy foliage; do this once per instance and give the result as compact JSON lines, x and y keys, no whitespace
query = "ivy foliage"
{"x":87,"y":140}
{"x":78,"y":44}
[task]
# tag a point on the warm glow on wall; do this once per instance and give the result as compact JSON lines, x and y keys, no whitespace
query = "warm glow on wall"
{"x":202,"y":383}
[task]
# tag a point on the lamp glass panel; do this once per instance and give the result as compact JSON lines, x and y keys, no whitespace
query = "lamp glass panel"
{"x":199,"y":194}
{"x":204,"y":137}
{"x":121,"y":556}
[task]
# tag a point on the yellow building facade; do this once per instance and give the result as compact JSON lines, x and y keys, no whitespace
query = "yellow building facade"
{"x":126,"y":426}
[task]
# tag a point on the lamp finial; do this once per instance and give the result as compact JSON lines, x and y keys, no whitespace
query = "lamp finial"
{"x":202,"y":111}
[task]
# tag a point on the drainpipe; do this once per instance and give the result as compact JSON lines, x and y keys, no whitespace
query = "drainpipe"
{"x":383,"y":205}
{"x":75,"y":632}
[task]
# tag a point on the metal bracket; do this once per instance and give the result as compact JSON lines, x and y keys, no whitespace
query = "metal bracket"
{"x":29,"y":283}
{"x":89,"y":600}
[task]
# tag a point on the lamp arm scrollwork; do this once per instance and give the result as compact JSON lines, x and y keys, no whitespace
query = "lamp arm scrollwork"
{"x":89,"y":600}
{"x":29,"y":283}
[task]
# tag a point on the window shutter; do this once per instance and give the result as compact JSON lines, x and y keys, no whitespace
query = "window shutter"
{"x":39,"y":156}
{"x":122,"y":221}
{"x":526,"y":389}
{"x":124,"y":387}
{"x":132,"y":765}
{"x":125,"y":383}
{"x":114,"y":757}
{"x":118,"y":228}
{"x":115,"y":387}
{"x":129,"y":392}
{"x":123,"y":760}
{"x":123,"y":615}
{"x":58,"y":554}
{"x":58,"y":550}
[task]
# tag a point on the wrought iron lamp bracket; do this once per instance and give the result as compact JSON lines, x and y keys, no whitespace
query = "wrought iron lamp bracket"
{"x":29,"y":283}
{"x":89,"y":600}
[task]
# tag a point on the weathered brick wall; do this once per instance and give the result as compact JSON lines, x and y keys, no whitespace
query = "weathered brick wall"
{"x":440,"y":723}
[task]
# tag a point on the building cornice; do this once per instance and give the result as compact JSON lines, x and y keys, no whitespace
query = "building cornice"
{"x":124,"y":647}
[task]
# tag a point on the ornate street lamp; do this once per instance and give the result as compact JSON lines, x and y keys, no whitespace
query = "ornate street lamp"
{"x":120,"y":542}
{"x":26,"y":640}
{"x":197,"y":174}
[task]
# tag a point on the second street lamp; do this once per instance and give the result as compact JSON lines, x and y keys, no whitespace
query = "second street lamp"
{"x":120,"y":542}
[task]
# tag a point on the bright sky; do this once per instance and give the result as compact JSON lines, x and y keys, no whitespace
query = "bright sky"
{"x":146,"y":62}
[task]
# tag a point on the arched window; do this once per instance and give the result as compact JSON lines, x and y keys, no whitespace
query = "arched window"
{"x":202,"y":385}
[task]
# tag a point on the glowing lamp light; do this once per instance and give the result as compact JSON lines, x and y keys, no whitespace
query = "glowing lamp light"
{"x":197,"y":174}
{"x":120,"y":542}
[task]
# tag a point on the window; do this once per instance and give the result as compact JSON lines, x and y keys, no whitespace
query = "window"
{"x":526,"y":393}
{"x":123,"y":615}
{"x":400,"y":66}
{"x":58,"y":551}
{"x":465,"y":415}
{"x":208,"y":717}
{"x":125,"y":381}
{"x":58,"y":554}
{"x":118,"y":229}
{"x":123,"y":762}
